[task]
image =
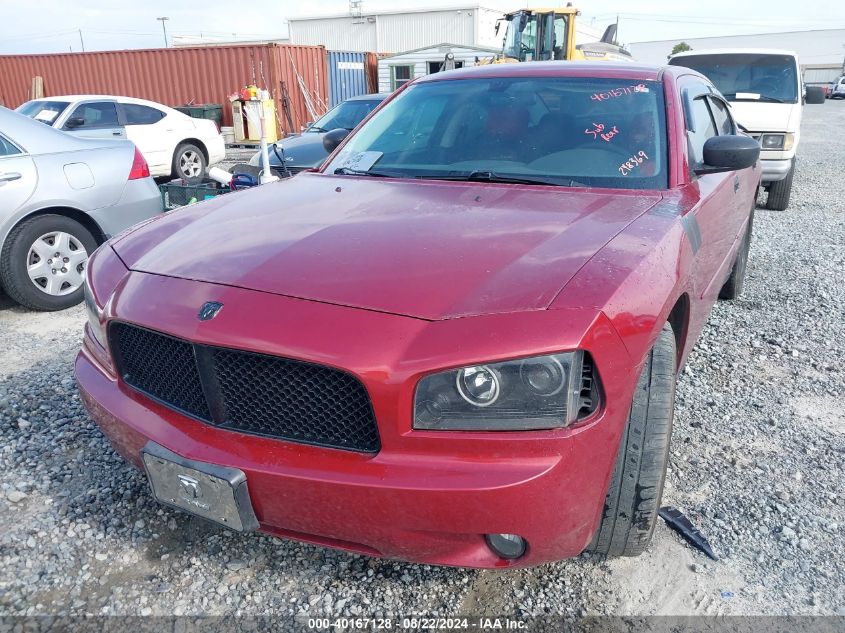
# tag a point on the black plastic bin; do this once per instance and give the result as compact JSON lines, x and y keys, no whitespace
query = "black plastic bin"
{"x":178,"y":193}
{"x":210,"y":111}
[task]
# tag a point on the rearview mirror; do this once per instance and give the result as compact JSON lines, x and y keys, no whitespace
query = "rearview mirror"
{"x":334,"y":138}
{"x":728,"y":153}
{"x":74,"y":122}
{"x":815,"y":95}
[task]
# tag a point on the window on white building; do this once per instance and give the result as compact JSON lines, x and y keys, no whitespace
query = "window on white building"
{"x":400,"y":75}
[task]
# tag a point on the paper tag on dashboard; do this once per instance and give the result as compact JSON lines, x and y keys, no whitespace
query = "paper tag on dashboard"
{"x":362,"y":161}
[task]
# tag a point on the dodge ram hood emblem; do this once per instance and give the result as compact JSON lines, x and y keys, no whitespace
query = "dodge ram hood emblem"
{"x":209,"y":310}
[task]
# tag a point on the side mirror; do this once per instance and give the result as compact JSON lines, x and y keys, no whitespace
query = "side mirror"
{"x":815,"y":95}
{"x":728,"y":153}
{"x":334,"y":138}
{"x":74,"y":122}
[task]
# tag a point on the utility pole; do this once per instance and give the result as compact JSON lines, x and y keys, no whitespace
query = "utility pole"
{"x":81,"y":41}
{"x":164,"y":28}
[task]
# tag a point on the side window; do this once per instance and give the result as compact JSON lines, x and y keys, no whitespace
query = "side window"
{"x":7,"y":148}
{"x":136,"y":114}
{"x":724,"y":122}
{"x":560,"y":37}
{"x":700,"y":125}
{"x":96,"y":114}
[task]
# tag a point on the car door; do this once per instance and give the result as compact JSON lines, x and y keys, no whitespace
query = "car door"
{"x":147,"y":127}
{"x":714,"y":216}
{"x":745,"y":181}
{"x":95,"y":119}
{"x":18,"y":178}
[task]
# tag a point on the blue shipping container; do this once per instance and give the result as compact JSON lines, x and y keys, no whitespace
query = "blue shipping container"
{"x":347,"y":77}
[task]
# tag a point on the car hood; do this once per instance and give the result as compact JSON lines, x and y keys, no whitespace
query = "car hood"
{"x":759,"y":116}
{"x":305,"y":150}
{"x":430,"y":250}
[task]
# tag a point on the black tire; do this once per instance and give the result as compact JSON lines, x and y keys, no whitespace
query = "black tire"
{"x":15,"y":256}
{"x":189,"y":162}
{"x":630,"y":508}
{"x":780,"y":190}
{"x":735,"y":283}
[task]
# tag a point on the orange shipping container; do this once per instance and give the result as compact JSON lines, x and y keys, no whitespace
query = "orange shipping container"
{"x":177,"y":76}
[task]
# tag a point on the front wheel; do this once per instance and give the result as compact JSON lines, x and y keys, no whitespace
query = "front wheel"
{"x":189,"y":162}
{"x":632,"y":501}
{"x":733,"y":286}
{"x":780,"y":191}
{"x":42,"y":265}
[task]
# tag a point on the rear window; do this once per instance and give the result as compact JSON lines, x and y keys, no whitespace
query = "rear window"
{"x":136,"y":114}
{"x":747,"y":76}
{"x":44,"y":111}
{"x":554,"y":130}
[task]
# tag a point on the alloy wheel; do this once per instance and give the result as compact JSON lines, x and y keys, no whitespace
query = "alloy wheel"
{"x":190,"y":164}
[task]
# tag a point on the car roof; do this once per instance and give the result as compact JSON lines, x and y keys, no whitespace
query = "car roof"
{"x":596,"y":69}
{"x":37,"y":138}
{"x":736,"y":51}
{"x":133,"y":100}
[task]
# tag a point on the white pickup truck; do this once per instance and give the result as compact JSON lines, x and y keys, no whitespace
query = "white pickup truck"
{"x":766,"y":93}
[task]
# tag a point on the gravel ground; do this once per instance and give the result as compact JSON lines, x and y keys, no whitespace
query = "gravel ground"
{"x":757,"y":460}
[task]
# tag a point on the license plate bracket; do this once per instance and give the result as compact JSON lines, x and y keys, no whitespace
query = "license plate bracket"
{"x":215,"y":493}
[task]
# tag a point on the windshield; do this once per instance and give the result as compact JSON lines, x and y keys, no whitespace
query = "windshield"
{"x":345,"y":115}
{"x":748,"y":76}
{"x":44,"y":111}
{"x":548,"y":130}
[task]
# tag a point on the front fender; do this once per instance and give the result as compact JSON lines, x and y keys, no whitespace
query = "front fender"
{"x":638,"y":278}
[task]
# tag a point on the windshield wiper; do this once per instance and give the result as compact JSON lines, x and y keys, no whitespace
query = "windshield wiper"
{"x":491,"y":176}
{"x":346,"y":171}
{"x":314,"y":128}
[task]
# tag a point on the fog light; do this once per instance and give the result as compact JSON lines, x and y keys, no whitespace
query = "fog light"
{"x":507,"y":546}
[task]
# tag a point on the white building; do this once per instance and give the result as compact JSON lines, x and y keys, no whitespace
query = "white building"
{"x":399,"y":69}
{"x":821,"y":52}
{"x":395,"y":31}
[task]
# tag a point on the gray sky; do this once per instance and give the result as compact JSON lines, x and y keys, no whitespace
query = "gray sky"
{"x":43,"y":26}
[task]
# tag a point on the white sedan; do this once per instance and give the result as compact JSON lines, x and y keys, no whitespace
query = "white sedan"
{"x":172,"y":143}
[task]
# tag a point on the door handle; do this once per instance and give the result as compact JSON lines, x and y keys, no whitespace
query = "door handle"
{"x":736,"y":183}
{"x":13,"y":175}
{"x":117,"y":133}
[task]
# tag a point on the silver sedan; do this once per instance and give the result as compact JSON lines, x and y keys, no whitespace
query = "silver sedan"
{"x":60,"y":197}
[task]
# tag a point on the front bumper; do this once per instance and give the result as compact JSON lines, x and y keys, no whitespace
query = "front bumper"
{"x":774,"y":170}
{"x":427,"y":496}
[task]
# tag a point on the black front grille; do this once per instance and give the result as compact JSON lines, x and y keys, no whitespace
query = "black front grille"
{"x":161,"y":366}
{"x":248,"y":392}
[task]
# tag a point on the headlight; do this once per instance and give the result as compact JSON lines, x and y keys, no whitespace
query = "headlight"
{"x":94,"y":314}
{"x":777,"y":141}
{"x":255,"y":161}
{"x":540,"y":392}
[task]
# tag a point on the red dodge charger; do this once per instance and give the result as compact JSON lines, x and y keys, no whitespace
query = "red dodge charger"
{"x":457,"y":341}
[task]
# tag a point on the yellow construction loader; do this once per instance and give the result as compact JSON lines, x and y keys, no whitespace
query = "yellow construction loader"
{"x":549,"y":34}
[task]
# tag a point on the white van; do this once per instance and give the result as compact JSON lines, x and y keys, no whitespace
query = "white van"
{"x":766,"y":93}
